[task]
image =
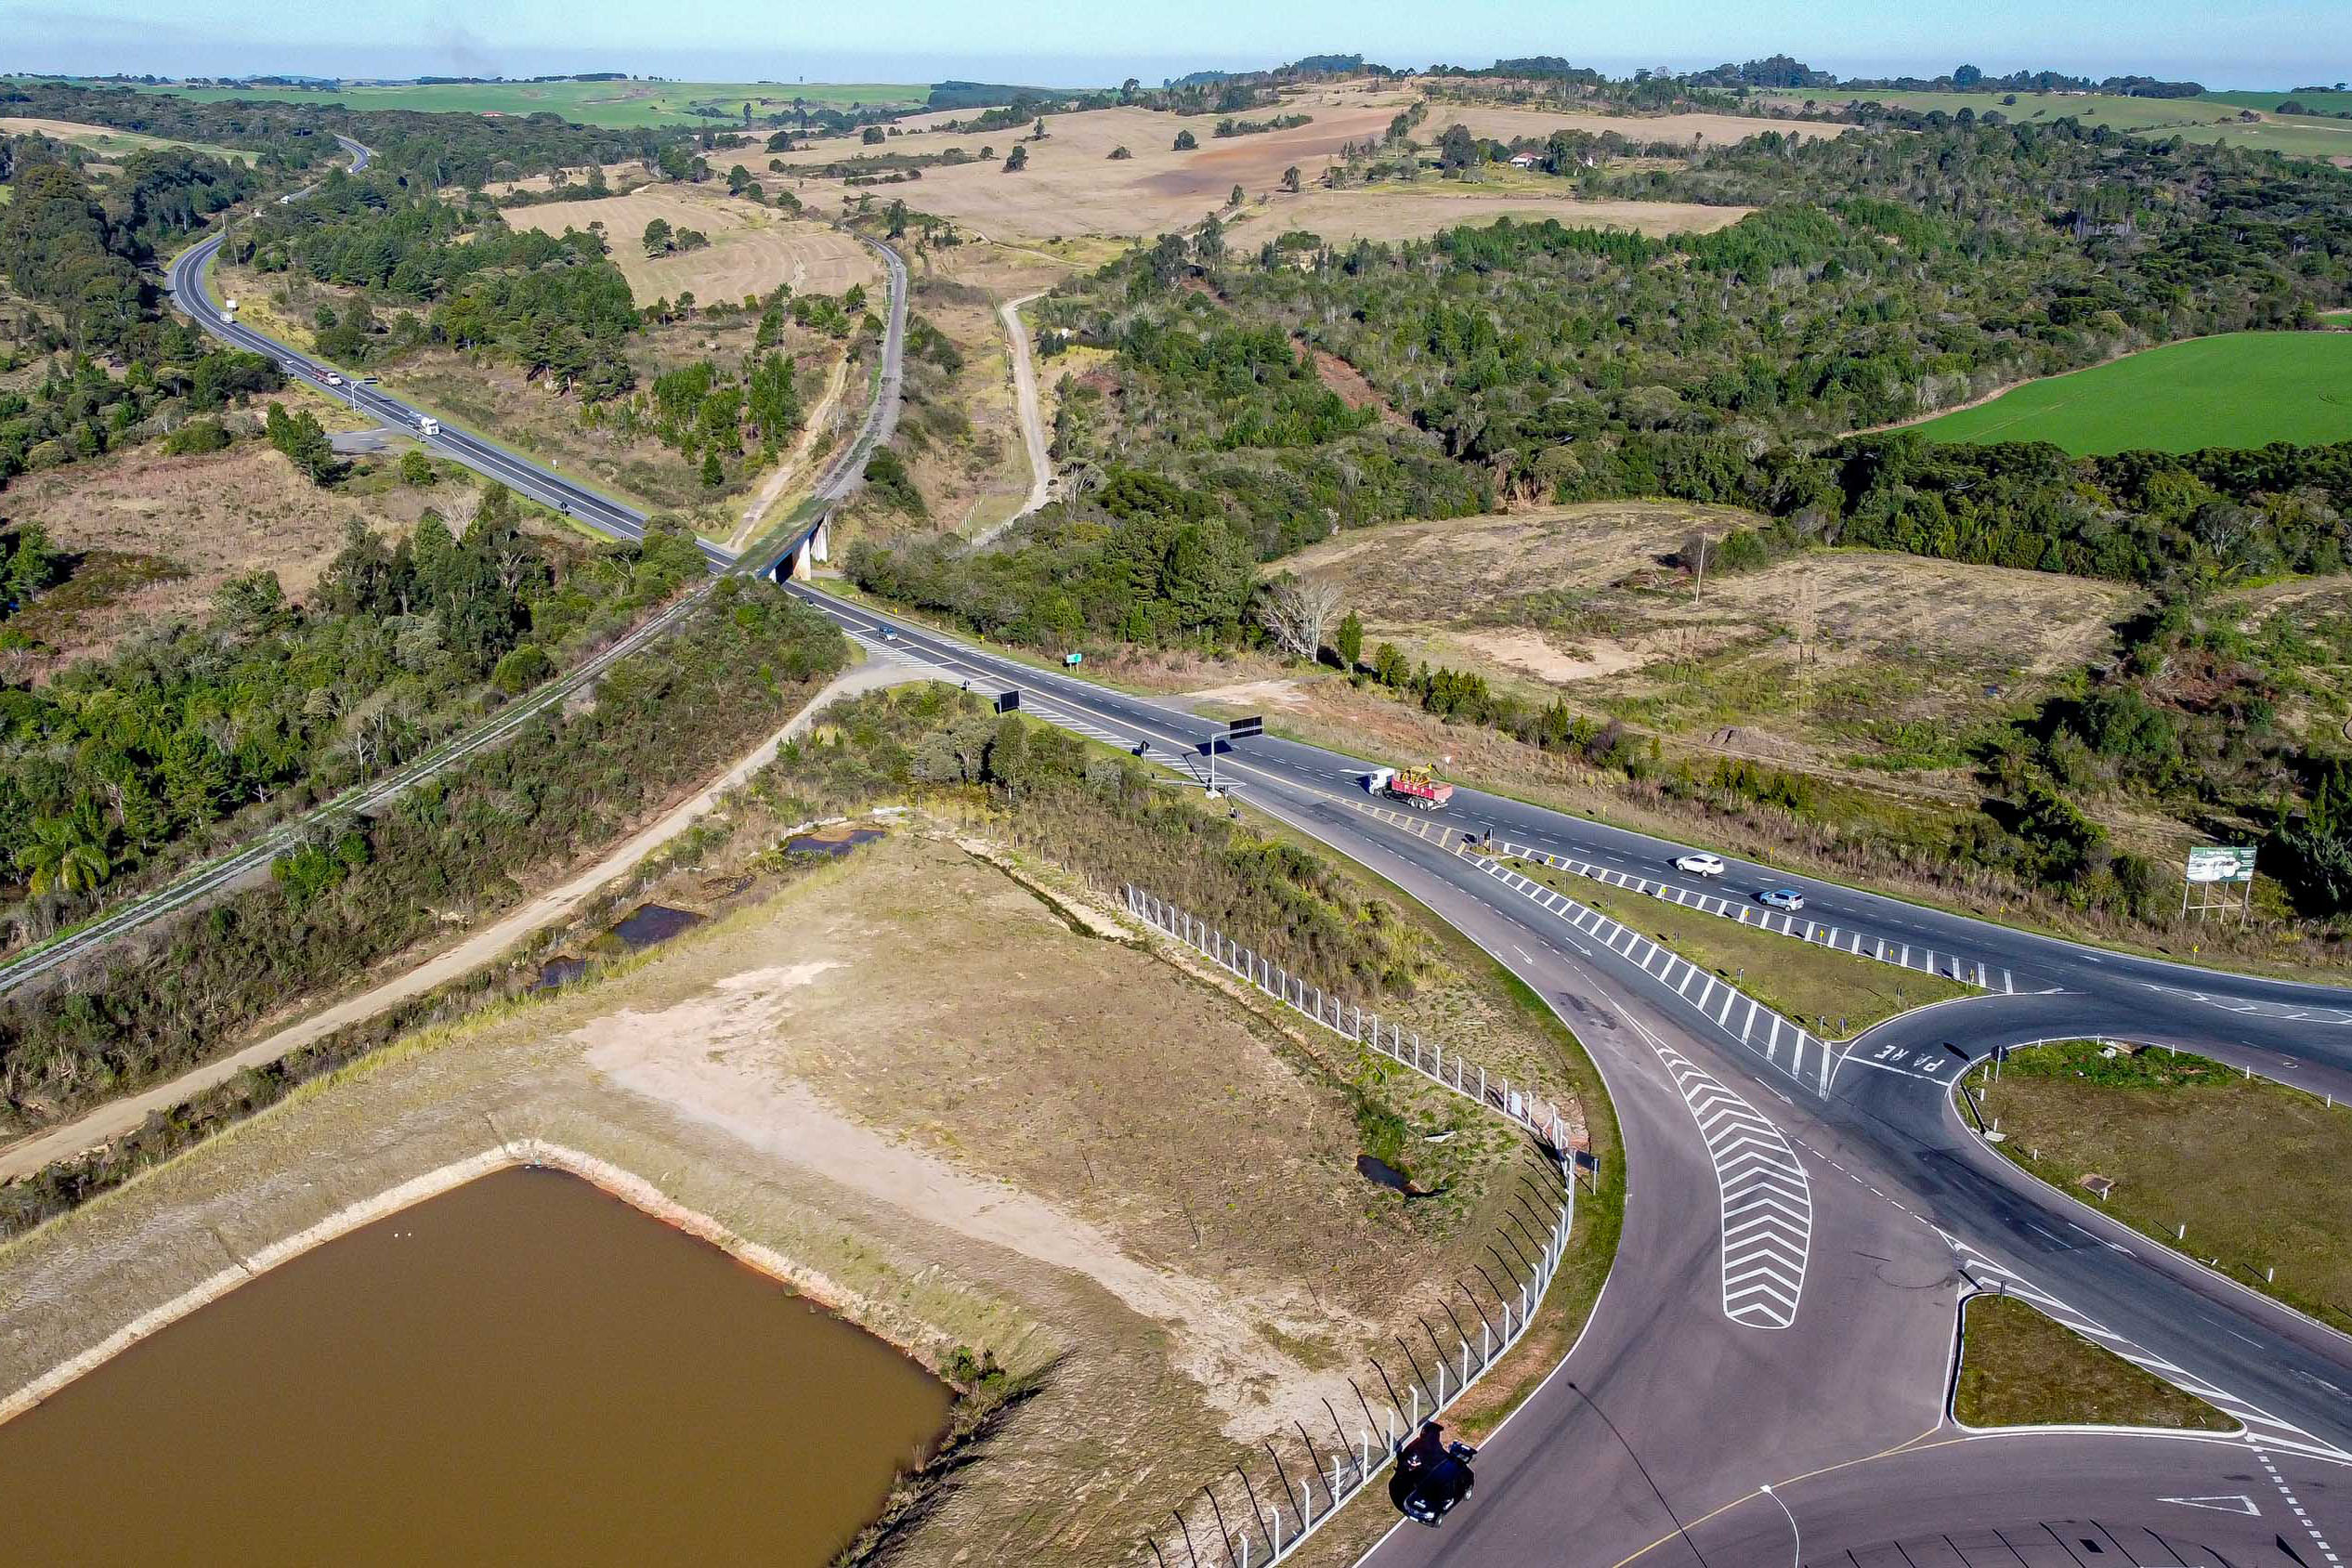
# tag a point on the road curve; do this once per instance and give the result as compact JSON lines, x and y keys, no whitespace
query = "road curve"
{"x":188,"y":286}
{"x":1661,"y":1428}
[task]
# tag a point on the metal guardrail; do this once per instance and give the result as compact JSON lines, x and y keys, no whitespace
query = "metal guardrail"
{"x":1214,"y":1526}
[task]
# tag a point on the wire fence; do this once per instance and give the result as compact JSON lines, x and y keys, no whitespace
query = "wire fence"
{"x":1539,"y":1116}
{"x":1241,"y":1519}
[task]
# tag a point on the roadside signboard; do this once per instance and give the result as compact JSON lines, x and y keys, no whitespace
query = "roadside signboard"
{"x":1008,"y":701}
{"x":1242,"y":729}
{"x":2222,"y":864}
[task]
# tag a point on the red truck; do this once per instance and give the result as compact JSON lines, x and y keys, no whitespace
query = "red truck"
{"x":1417,"y":787}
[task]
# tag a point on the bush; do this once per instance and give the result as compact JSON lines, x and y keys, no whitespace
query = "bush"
{"x":196,"y":437}
{"x":524,"y":667}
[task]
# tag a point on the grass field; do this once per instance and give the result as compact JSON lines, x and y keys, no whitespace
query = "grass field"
{"x":2241,"y":389}
{"x":753,"y":248}
{"x":2260,"y":1188}
{"x":2266,"y":100}
{"x":2193,"y":119}
{"x":2018,"y":1368}
{"x":1837,"y":993}
{"x":100,"y":142}
{"x":619,"y":104}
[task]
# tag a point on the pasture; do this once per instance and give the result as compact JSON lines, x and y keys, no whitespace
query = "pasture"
{"x":2241,"y":389}
{"x":2198,"y":119}
{"x":621,"y":105}
{"x":752,"y":250}
{"x":101,"y":141}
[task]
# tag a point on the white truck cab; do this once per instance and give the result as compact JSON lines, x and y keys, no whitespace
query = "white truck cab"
{"x":427,"y":426}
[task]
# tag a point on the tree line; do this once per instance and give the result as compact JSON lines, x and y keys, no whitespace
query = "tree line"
{"x":119,"y":765}
{"x":459,"y":842}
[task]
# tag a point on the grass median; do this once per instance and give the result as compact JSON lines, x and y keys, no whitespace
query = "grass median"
{"x":2240,"y":1173}
{"x":1838,"y":994}
{"x":2018,"y":1368}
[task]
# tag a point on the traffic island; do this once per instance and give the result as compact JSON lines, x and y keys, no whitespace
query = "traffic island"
{"x":2238,"y":1172}
{"x":2018,"y":1368}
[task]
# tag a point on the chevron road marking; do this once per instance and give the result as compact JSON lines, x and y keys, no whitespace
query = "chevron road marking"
{"x":1787,"y":1047}
{"x":1768,"y":1205}
{"x":1924,"y":961}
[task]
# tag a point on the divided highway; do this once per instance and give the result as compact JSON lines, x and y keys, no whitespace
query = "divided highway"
{"x":1656,"y":1439}
{"x":188,"y":283}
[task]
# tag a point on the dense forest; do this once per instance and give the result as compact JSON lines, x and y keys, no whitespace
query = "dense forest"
{"x":86,"y":259}
{"x":118,"y":764}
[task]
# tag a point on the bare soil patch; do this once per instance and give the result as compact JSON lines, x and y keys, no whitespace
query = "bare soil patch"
{"x":936,"y":1106}
{"x":1532,"y":652}
{"x":1073,"y":187}
{"x":753,"y":248}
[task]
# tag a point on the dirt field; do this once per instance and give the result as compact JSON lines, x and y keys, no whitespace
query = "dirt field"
{"x":1505,"y":124}
{"x":160,"y":534}
{"x":1391,"y":211}
{"x":106,"y":141}
{"x":944,"y":1109}
{"x":752,"y":249}
{"x":1072,"y":188}
{"x":1850,"y":662}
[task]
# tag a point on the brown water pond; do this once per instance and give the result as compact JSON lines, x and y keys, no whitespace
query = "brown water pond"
{"x":522,"y":1370}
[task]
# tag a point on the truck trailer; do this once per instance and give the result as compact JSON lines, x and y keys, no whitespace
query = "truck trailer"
{"x":1416,"y":787}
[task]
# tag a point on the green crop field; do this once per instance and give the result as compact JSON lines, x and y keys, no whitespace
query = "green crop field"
{"x":2193,"y":119}
{"x":2242,"y":389}
{"x":618,"y":104}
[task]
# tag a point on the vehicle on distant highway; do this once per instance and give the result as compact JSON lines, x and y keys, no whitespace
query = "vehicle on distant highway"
{"x":333,"y":379}
{"x":427,"y":426}
{"x":1433,"y":1475}
{"x":228,"y":307}
{"x":1416,"y":786}
{"x":1781,"y":898}
{"x":1700,"y":865}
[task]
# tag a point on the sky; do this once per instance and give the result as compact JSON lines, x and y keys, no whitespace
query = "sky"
{"x":2254,"y":44}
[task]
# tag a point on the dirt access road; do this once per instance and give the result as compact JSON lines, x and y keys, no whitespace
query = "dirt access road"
{"x":118,"y":1116}
{"x":1025,"y":395}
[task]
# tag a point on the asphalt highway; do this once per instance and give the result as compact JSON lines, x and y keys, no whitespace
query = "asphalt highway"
{"x":1668,"y":1410}
{"x":186,"y":283}
{"x":1653,"y":1441}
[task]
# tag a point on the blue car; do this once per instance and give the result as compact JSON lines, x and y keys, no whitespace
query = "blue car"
{"x":1781,"y":898}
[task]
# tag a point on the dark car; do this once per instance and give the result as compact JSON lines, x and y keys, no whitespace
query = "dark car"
{"x":1432,"y":1476}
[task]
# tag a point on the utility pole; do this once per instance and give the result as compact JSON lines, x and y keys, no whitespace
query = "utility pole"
{"x":1698,"y":589}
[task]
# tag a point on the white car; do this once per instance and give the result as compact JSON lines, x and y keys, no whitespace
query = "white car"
{"x":1700,"y":865}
